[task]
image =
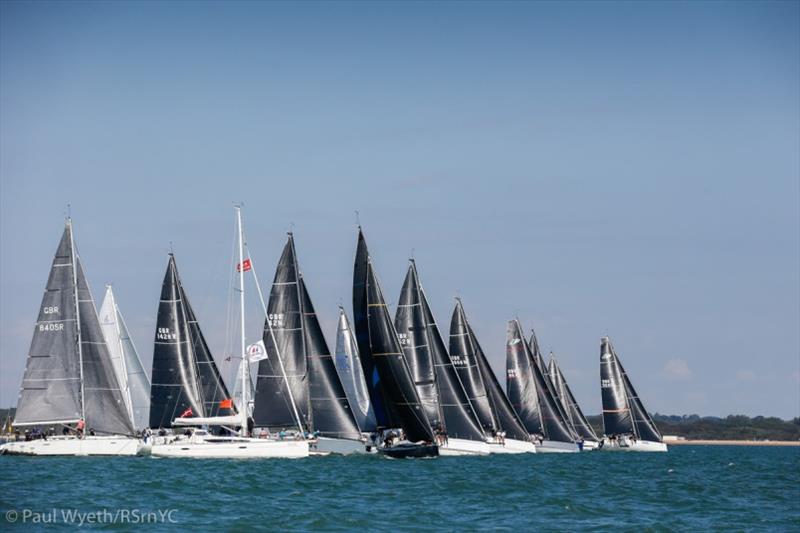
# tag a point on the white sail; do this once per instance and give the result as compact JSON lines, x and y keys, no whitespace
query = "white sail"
{"x":351,"y":375}
{"x":237,"y":388}
{"x":134,"y":381}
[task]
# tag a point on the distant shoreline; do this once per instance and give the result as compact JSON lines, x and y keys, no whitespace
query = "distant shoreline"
{"x":708,"y":442}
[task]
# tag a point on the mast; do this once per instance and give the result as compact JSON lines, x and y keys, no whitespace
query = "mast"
{"x":244,"y":366}
{"x":77,"y":316}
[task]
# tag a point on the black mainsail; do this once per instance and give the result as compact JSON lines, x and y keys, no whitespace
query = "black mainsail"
{"x":623,"y":411}
{"x":69,"y":374}
{"x":383,"y":354}
{"x":526,"y":379}
{"x":460,"y":420}
{"x":185,"y":379}
{"x":330,"y":408}
{"x":559,"y":414}
{"x":464,"y":359}
{"x":576,"y":417}
{"x":409,"y":321}
{"x":383,"y":416}
{"x":272,"y":405}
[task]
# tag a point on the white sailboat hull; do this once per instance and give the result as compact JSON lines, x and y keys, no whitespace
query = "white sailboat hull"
{"x":628,"y":445}
{"x":590,"y":445}
{"x":456,"y":447}
{"x":512,"y":446}
{"x":231,"y":448}
{"x":73,"y":446}
{"x":326,"y":445}
{"x":553,"y":446}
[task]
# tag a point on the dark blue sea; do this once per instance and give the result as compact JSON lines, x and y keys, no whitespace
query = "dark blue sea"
{"x":690,"y":488}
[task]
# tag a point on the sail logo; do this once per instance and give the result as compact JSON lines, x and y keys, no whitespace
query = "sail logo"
{"x":458,"y":360}
{"x":164,"y":334}
{"x":512,"y":373}
{"x":605,"y":356}
{"x":50,"y":310}
{"x":403,"y":338}
{"x":515,"y":341}
{"x":276,"y":320}
{"x":605,"y":383}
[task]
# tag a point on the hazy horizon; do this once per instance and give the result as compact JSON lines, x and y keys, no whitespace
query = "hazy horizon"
{"x":629,"y":169}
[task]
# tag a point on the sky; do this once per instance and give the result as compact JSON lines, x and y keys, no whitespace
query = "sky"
{"x":629,"y":169}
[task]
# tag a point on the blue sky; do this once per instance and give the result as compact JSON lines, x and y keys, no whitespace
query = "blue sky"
{"x":622,"y":168}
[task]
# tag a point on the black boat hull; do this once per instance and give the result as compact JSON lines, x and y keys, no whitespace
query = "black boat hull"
{"x":410,"y":451}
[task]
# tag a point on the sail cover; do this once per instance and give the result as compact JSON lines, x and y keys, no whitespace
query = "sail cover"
{"x":348,"y":366}
{"x":273,"y":407}
{"x":464,"y":359}
{"x":383,"y":415}
{"x":51,"y":385}
{"x":331,"y":412}
{"x":460,"y":420}
{"x":409,"y":322}
{"x":507,"y":419}
{"x":569,"y":403}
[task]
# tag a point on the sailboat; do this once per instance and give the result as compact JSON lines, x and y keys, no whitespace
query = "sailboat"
{"x":506,"y":432}
{"x":296,"y":338}
{"x":570,"y":405}
{"x":131,"y":375}
{"x":626,"y":423}
{"x":187,"y":389}
{"x":529,"y":392}
{"x":391,"y":385}
{"x":441,"y":395}
{"x":348,"y":366}
{"x":69,"y":381}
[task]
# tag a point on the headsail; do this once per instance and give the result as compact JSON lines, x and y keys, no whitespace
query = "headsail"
{"x":645,"y":427}
{"x":576,"y":417}
{"x":507,"y":419}
{"x":521,"y":384}
{"x":460,"y":419}
{"x":332,"y":414}
{"x":553,"y":413}
{"x":132,"y":377}
{"x":273,"y":407}
{"x":348,"y":366}
{"x":464,"y":359}
{"x":409,"y":321}
{"x":385,"y":355}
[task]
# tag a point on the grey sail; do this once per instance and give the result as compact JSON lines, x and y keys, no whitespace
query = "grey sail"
{"x":576,"y":417}
{"x":617,"y":419}
{"x":213,"y":387}
{"x":185,"y":380}
{"x":51,"y":385}
{"x":506,"y":417}
{"x":138,"y":380}
{"x":464,"y":359}
{"x":272,"y":407}
{"x":104,"y":406}
{"x":520,"y":382}
{"x":645,"y":427}
{"x":348,"y":366}
{"x":332,"y":414}
{"x":460,"y":419}
{"x":553,"y":414}
{"x":409,"y":322}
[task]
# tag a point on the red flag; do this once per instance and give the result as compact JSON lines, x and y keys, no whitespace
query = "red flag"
{"x":244,"y":266}
{"x":226,"y":404}
{"x":186,"y":413}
